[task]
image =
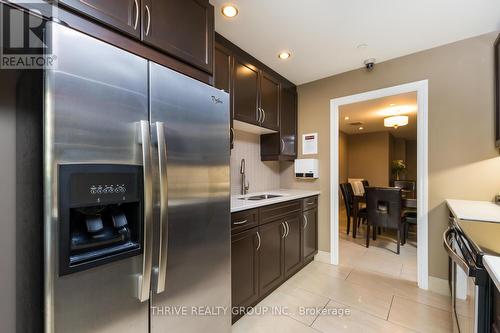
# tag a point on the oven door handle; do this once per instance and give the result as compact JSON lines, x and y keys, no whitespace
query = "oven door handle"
{"x":451,"y":253}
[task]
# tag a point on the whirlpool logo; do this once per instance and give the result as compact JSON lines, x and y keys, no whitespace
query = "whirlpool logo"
{"x":216,"y":100}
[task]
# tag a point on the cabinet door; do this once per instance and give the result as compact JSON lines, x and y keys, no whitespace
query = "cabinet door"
{"x":270,"y":101}
{"x":271,"y":267}
{"x":120,"y":14}
{"x":288,"y":123}
{"x":182,"y":28}
{"x":244,"y":268}
{"x":310,"y":234}
{"x":293,"y":244}
{"x":223,"y":66}
{"x":245,"y":92}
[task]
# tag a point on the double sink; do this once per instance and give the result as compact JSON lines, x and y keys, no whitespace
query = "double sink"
{"x":261,"y":197}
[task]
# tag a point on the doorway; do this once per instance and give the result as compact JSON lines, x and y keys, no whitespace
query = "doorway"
{"x":421,"y":90}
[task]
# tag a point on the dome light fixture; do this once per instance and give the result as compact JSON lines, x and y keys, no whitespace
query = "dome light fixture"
{"x":229,"y":11}
{"x":396,"y":121}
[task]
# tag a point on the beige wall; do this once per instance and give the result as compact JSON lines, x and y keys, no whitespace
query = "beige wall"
{"x":369,"y":156}
{"x":411,"y":159}
{"x":463,"y":162}
{"x":343,"y":157}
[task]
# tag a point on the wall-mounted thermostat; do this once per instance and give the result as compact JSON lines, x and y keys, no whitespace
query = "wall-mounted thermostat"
{"x":307,"y":168}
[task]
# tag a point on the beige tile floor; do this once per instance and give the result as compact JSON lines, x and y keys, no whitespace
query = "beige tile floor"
{"x":372,"y":290}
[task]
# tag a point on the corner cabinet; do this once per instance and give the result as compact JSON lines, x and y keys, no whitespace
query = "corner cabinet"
{"x":223,"y":74}
{"x":183,"y":29}
{"x":282,"y":146}
{"x":258,"y":95}
{"x":269,"y":245}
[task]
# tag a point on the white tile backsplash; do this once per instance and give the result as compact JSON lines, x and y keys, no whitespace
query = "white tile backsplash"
{"x":263,"y":176}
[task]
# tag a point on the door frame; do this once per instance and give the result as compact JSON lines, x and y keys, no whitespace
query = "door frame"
{"x":421,"y":88}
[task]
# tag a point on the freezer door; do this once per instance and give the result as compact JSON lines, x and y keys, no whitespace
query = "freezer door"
{"x":95,"y":100}
{"x":194,"y":121}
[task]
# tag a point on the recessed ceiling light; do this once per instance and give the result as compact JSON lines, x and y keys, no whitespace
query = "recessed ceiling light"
{"x":392,"y":104}
{"x":346,"y":118}
{"x":229,"y":11}
{"x":284,"y":55}
{"x":361,"y":128}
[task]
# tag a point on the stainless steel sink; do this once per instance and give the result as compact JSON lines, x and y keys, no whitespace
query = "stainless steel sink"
{"x":261,"y":197}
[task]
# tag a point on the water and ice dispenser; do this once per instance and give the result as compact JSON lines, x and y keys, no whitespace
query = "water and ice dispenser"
{"x":101,"y":212}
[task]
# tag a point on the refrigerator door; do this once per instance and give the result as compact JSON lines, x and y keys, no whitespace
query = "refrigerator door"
{"x":194,"y":121}
{"x":95,"y":100}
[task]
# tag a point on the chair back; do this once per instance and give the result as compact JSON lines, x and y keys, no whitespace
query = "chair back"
{"x":408,"y":185}
{"x":348,"y":194}
{"x":384,"y":205}
{"x":365,"y":183}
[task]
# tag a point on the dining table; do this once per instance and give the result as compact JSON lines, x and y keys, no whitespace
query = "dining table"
{"x":408,"y":202}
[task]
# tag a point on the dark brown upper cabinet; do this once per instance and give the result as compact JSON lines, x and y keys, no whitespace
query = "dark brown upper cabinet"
{"x":269,"y":101}
{"x":293,"y":241}
{"x":123,"y":15}
{"x":246,"y":92}
{"x":283,"y":145}
{"x":310,"y":234}
{"x":223,"y":72}
{"x":182,"y":28}
{"x":244,"y":268}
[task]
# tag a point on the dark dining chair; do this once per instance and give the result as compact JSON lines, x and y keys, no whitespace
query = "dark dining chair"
{"x":349,"y":201}
{"x":410,"y":218}
{"x":365,"y":183}
{"x":384,"y":209}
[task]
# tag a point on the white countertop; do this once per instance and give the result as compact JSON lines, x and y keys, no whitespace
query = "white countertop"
{"x":485,"y":211}
{"x":238,"y":205}
{"x":492,"y":264}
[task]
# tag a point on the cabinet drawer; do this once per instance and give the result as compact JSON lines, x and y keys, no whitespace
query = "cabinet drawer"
{"x":310,"y":203}
{"x":244,"y":220}
{"x":273,"y":212}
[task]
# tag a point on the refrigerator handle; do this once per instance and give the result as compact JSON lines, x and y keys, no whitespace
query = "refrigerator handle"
{"x":144,"y":280}
{"x":162,"y":164}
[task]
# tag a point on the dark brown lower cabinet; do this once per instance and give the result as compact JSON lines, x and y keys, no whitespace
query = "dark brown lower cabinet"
{"x":271,"y":255}
{"x":293,"y":244}
{"x":265,"y":256}
{"x":245,"y":268}
{"x":310,"y":234}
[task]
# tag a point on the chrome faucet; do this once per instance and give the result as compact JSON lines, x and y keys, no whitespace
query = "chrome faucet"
{"x":245,"y":185}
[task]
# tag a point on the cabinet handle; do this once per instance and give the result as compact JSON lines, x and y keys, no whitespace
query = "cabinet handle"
{"x":232,"y":135}
{"x":240,"y":222}
{"x":305,"y":221}
{"x":148,"y":12}
{"x":287,"y":228}
{"x":259,"y":118}
{"x":282,"y":145}
{"x":136,"y":5}
{"x":263,"y":115}
{"x":284,"y":230}
{"x":258,"y":238}
{"x":310,"y":203}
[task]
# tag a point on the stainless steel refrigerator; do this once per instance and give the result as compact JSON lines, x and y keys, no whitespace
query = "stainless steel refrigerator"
{"x":136,"y":194}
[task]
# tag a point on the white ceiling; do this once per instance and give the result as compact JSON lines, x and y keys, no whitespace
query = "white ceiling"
{"x":323,"y":35}
{"x":372,"y":113}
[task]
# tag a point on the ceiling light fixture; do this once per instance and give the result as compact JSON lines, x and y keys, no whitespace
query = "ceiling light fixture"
{"x":361,"y":128}
{"x":346,"y":118}
{"x":396,"y":121}
{"x":229,"y":11}
{"x":284,"y":55}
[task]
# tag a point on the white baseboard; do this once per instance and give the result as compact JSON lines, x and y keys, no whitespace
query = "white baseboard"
{"x":439,"y":286}
{"x":323,"y":256}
